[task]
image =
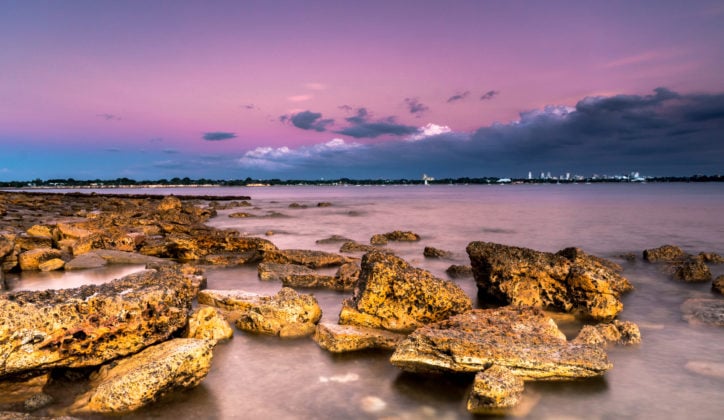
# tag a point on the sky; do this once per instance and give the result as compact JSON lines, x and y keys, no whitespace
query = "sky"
{"x":375,"y":89}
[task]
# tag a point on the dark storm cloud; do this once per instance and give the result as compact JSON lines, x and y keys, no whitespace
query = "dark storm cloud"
{"x":361,"y":126}
{"x":360,"y":117}
{"x":308,"y":120}
{"x":218,"y":136}
{"x":458,"y":97}
{"x":489,"y":95}
{"x":415,"y":106}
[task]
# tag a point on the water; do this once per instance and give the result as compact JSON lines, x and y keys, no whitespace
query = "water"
{"x":257,"y":377}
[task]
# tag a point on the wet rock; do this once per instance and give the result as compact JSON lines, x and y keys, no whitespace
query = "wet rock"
{"x":334,"y":239}
{"x":90,"y":325}
{"x":241,"y":215}
{"x":123,"y":257}
{"x":307,"y":258}
{"x":521,"y":339}
{"x":170,"y":203}
{"x":352,"y":246}
{"x":128,"y":384}
{"x":208,"y":242}
{"x":459,"y":271}
{"x":347,"y":276}
{"x":711,"y":258}
{"x":704,"y":311}
{"x":26,"y":242}
{"x":692,"y":270}
{"x":207,"y":323}
{"x":710,"y":369}
{"x":231,"y":258}
{"x":397,"y":235}
{"x":430,"y":252}
{"x":293,"y":275}
{"x":51,"y":265}
{"x":87,"y":260}
{"x":569,"y":281}
{"x":20,"y":388}
{"x":617,"y":332}
{"x":393,"y":295}
{"x":286,"y":314}
{"x":324,"y":204}
{"x":494,"y":390}
{"x":71,"y":231}
{"x":345,"y":338}
{"x":42,"y":231}
{"x":31,"y":260}
{"x":297,"y":206}
{"x":718,"y":285}
{"x":628,"y":257}
{"x":665,"y":253}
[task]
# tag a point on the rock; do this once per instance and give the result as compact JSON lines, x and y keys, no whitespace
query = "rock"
{"x":710,"y":369}
{"x":628,"y":257}
{"x":231,"y":258}
{"x":692,"y":270}
{"x":38,"y":401}
{"x":51,"y":265}
{"x":41,"y":231}
{"x":92,"y":324}
{"x":521,"y":339}
{"x":711,"y":258}
{"x":430,"y":252}
{"x":618,"y":332}
{"x":241,"y":215}
{"x":569,"y":281}
{"x":19,"y":388}
{"x":706,"y":311}
{"x":378,"y":239}
{"x":718,"y":285}
{"x":122,"y":257}
{"x":494,"y":390}
{"x":26,"y":242}
{"x":31,"y":260}
{"x":170,"y":203}
{"x":87,"y":260}
{"x":344,"y":338}
{"x":297,"y":206}
{"x":352,"y":246}
{"x":71,"y":231}
{"x":207,"y":323}
{"x":333,"y":240}
{"x":286,"y":314}
{"x":347,"y":276}
{"x":277,"y":271}
{"x":459,"y":271}
{"x":128,"y":384}
{"x":307,"y":258}
{"x":397,"y":235}
{"x":188,"y":247}
{"x":665,"y":253}
{"x":324,"y":204}
{"x":393,"y":295}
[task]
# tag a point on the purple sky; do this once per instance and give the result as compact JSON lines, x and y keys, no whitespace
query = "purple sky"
{"x":309,"y":89}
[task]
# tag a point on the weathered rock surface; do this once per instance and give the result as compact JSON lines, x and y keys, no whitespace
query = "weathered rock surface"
{"x":704,"y":311}
{"x":717,"y":285}
{"x":31,"y":260}
{"x":692,"y":270}
{"x":432,"y":252}
{"x":334,"y":239}
{"x":352,"y":246}
{"x":344,"y":338}
{"x":397,"y":235}
{"x":569,"y":281}
{"x":17,"y":389}
{"x":393,"y":295}
{"x":617,"y":332}
{"x":207,"y":323}
{"x":128,"y":384}
{"x":459,"y":271}
{"x":241,"y":215}
{"x":51,"y":265}
{"x":286,"y":314}
{"x":711,"y":258}
{"x":307,"y":258}
{"x":90,"y":325}
{"x":664,"y":253}
{"x":494,"y":390}
{"x":123,"y":257}
{"x":521,"y":339}
{"x":87,"y":260}
{"x":293,"y":275}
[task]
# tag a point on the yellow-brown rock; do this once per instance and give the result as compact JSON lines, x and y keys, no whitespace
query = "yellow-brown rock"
{"x":41,"y":231}
{"x":616,"y":332}
{"x":345,"y":338}
{"x":393,"y":295}
{"x":307,"y":258}
{"x":494,"y":390}
{"x":170,"y":203}
{"x":51,"y":265}
{"x":19,"y":388}
{"x":207,"y":323}
{"x":31,"y":260}
{"x":128,"y":384}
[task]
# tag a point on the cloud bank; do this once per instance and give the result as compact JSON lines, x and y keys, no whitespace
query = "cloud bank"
{"x":218,"y":136}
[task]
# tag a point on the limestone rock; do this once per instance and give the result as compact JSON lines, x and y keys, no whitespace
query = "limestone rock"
{"x":19,"y":388}
{"x":241,"y":215}
{"x":72,"y":231}
{"x":344,"y":338}
{"x":352,"y":246}
{"x":459,"y":271}
{"x":51,"y":265}
{"x":569,"y":281}
{"x":207,"y":323}
{"x":711,"y":258}
{"x":170,"y":203}
{"x":431,"y":252}
{"x":122,"y":257}
{"x":494,"y":390}
{"x":307,"y":258}
{"x":286,"y":314}
{"x":618,"y":332}
{"x":332,"y":240}
{"x":393,"y":295}
{"x":87,"y":260}
{"x":397,"y":235}
{"x":706,"y":311}
{"x":521,"y":339}
{"x":31,"y":260}
{"x":665,"y":253}
{"x":183,"y":246}
{"x":692,"y":270}
{"x":42,"y":231}
{"x":718,"y":285}
{"x":347,"y":276}
{"x":92,"y":324}
{"x":128,"y":384}
{"x":324,"y":204}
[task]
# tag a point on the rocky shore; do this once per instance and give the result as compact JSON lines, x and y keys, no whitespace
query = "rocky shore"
{"x":136,"y":339}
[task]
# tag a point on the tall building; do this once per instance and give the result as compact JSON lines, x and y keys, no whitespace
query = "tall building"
{"x":530,"y":175}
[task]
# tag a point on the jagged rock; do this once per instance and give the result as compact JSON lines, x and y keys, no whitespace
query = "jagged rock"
{"x":307,"y":258}
{"x":711,"y":258}
{"x":706,"y":311}
{"x":286,"y":314}
{"x":344,"y":338}
{"x":7,"y":246}
{"x":352,"y":246}
{"x":692,"y":270}
{"x":494,"y":390}
{"x":618,"y":332}
{"x":42,"y":231}
{"x":521,"y":339}
{"x":431,"y":252}
{"x":665,"y":253}
{"x":231,"y":258}
{"x":393,"y":295}
{"x":569,"y":281}
{"x":31,"y":260}
{"x":125,"y":385}
{"x":170,"y":203}
{"x":333,"y":240}
{"x":209,"y":242}
{"x":397,"y":235}
{"x":87,"y":260}
{"x":26,"y":242}
{"x":208,"y":323}
{"x":459,"y":271}
{"x":71,"y":231}
{"x":347,"y":276}
{"x":90,"y":325}
{"x":19,"y":388}
{"x":718,"y":285}
{"x":51,"y":265}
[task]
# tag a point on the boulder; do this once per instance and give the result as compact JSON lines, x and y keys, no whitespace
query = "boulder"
{"x":87,"y":260}
{"x":26,"y":242}
{"x":42,"y":231}
{"x":203,"y":242}
{"x":704,"y":311}
{"x":617,"y":332}
{"x":125,"y":385}
{"x":393,"y":295}
{"x":692,"y":270}
{"x":494,"y":390}
{"x":718,"y":285}
{"x":170,"y":203}
{"x":72,"y":231}
{"x":51,"y":265}
{"x":569,"y":281}
{"x":324,"y":204}
{"x":92,"y":324}
{"x":207,"y":323}
{"x":664,"y":253}
{"x":431,"y":252}
{"x":122,"y":257}
{"x":522,"y":339}
{"x":286,"y":314}
{"x":459,"y":271}
{"x":711,"y":258}
{"x":397,"y":235}
{"x":307,"y":258}
{"x":345,"y":338}
{"x":352,"y":246}
{"x":347,"y":276}
{"x":31,"y":260}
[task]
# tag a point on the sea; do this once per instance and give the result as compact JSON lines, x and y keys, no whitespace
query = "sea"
{"x":676,"y":372}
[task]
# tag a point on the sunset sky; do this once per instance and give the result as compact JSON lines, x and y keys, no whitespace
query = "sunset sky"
{"x":363,"y":89}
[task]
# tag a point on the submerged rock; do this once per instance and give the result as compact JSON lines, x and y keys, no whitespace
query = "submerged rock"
{"x":706,"y":311}
{"x":521,"y":339}
{"x":307,"y":258}
{"x":352,"y":246}
{"x":494,"y":390}
{"x":711,"y":258}
{"x":397,"y":235}
{"x":334,"y":239}
{"x":717,"y":285}
{"x":459,"y":271}
{"x":344,"y":338}
{"x":128,"y":384}
{"x":207,"y":323}
{"x":569,"y":281}
{"x":710,"y":369}
{"x":618,"y":332}
{"x":692,"y":270}
{"x":431,"y":252}
{"x":293,"y":275}
{"x":286,"y":314}
{"x":664,"y":253}
{"x":393,"y":295}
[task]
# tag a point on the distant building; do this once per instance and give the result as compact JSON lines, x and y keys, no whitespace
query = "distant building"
{"x":530,"y":175}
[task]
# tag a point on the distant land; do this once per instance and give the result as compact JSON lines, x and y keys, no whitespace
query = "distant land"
{"x":249,"y":182}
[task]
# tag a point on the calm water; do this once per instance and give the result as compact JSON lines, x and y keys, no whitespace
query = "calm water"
{"x":264,"y":377}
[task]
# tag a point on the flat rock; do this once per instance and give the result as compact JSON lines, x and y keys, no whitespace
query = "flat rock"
{"x":393,"y":295}
{"x":345,"y":338}
{"x":123,"y":257}
{"x":334,"y":239}
{"x":299,"y":276}
{"x":307,"y":258}
{"x":286,"y":314}
{"x":352,"y":246}
{"x":207,"y":323}
{"x":568,"y":281}
{"x":494,"y":390}
{"x":704,"y":311}
{"x":617,"y":332}
{"x":31,"y":260}
{"x":51,"y":265}
{"x":87,"y":260}
{"x":521,"y":339}
{"x":125,"y":385}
